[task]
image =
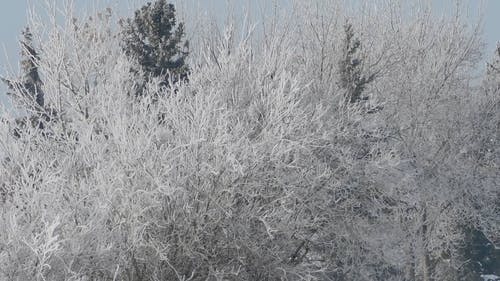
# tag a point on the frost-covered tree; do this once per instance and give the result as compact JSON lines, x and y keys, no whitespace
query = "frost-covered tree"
{"x":28,"y":87}
{"x":26,"y":90}
{"x":350,"y":66}
{"x":266,"y":175}
{"x":480,"y":249}
{"x":493,"y":70}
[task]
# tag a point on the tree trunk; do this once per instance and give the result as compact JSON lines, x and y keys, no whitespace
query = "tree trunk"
{"x":426,"y":270}
{"x":426,"y":267}
{"x":410,"y":266}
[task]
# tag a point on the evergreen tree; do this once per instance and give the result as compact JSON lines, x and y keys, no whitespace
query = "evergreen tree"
{"x":31,"y":78}
{"x":350,"y":67}
{"x":492,"y":81}
{"x":481,"y":254}
{"x":28,"y":89}
{"x":154,"y":38}
{"x":494,"y":67}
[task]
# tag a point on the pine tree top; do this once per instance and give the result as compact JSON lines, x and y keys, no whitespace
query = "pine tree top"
{"x":156,"y":40}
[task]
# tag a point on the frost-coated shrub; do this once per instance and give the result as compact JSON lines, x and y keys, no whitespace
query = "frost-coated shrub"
{"x":257,"y":168}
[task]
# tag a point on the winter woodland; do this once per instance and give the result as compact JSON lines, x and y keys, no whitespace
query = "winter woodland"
{"x":329,"y":142}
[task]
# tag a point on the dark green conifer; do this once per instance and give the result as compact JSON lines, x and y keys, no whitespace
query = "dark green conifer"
{"x":350,"y":67}
{"x":156,"y":41}
{"x":28,"y":89}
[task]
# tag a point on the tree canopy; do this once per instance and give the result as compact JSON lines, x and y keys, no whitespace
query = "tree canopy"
{"x":326,"y":145}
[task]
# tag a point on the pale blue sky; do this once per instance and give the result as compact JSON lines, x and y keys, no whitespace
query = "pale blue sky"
{"x":13,"y":14}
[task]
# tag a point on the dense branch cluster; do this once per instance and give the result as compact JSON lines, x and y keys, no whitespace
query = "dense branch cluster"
{"x":322,"y":145}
